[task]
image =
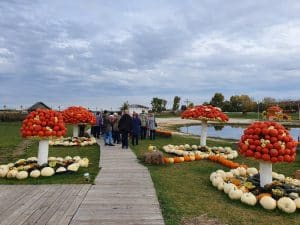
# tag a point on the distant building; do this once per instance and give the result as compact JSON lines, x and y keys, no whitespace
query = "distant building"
{"x":38,"y":105}
{"x":137,"y":108}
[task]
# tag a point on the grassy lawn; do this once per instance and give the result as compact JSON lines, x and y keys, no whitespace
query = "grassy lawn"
{"x":184,"y":190}
{"x":12,"y":138}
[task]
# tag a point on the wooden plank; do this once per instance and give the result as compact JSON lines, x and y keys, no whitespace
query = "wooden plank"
{"x":15,"y":214}
{"x":62,"y":209}
{"x":46,"y":202}
{"x":73,"y":207}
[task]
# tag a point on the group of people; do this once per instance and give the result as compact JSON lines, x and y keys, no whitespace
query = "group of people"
{"x":116,"y":128}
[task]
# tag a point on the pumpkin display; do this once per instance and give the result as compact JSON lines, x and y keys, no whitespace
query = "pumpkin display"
{"x":246,"y":187}
{"x":43,"y":124}
{"x":204,"y":113}
{"x":73,"y":141}
{"x":268,"y":142}
{"x":78,"y":115}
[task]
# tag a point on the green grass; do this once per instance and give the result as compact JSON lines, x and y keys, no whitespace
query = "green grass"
{"x":184,"y":190}
{"x":12,"y":134}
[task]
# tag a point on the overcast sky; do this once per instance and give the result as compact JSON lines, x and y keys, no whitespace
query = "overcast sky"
{"x":102,"y":53}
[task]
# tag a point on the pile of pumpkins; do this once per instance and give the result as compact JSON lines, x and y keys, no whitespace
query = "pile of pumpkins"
{"x":204,"y":152}
{"x":73,"y":141}
{"x":243,"y":184}
{"x":24,"y":168}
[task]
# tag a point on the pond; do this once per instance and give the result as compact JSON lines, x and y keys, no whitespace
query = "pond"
{"x":228,"y":131}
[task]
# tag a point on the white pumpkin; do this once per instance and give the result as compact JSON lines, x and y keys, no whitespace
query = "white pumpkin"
{"x":229,"y":175}
{"x":248,"y":198}
{"x":268,"y":202}
{"x":35,"y":173}
{"x":3,"y":170}
{"x":281,"y":177}
{"x":22,"y":175}
{"x":235,"y":154}
{"x":68,"y":158}
{"x":187,"y":147}
{"x":286,"y":205}
{"x":221,"y":186}
{"x":228,"y":187}
{"x":221,"y":173}
{"x":76,"y":158}
{"x":51,"y":158}
{"x":230,"y":156}
{"x":185,"y":153}
{"x":235,"y":172}
{"x":12,"y":173}
{"x":10,"y":165}
{"x":242,"y":171}
{"x":194,"y":147}
{"x":59,"y":159}
{"x":84,"y":162}
{"x":61,"y":169}
{"x":216,"y":181}
{"x":73,"y":167}
{"x":297,"y":202}
{"x":47,"y":171}
{"x":252,"y":171}
{"x":235,"y":193}
{"x":212,"y":176}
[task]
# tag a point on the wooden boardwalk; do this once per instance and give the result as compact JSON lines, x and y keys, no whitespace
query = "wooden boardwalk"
{"x":40,"y":204}
{"x":123,"y":194}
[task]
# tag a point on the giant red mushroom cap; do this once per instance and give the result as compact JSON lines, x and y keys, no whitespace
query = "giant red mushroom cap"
{"x":205,"y":112}
{"x":274,"y":109}
{"x":268,"y":141}
{"x":78,"y":115}
{"x":43,"y":123}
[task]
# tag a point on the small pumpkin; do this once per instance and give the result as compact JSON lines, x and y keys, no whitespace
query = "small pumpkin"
{"x":268,"y":203}
{"x":228,"y":187}
{"x":12,"y":173}
{"x":35,"y":173}
{"x":47,"y":171}
{"x":235,"y":193}
{"x":297,"y":202}
{"x":73,"y":167}
{"x":171,"y":160}
{"x":216,"y":181}
{"x":286,"y":205}
{"x":22,"y":175}
{"x":249,"y":199}
{"x":3,"y":170}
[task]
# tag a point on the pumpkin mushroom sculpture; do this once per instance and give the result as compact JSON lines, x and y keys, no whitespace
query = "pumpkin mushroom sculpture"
{"x":268,"y":142}
{"x":204,"y":113}
{"x":78,"y":115}
{"x":42,"y":124}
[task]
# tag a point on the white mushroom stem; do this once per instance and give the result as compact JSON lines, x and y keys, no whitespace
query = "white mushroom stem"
{"x":265,"y":171}
{"x":203,"y":133}
{"x":43,"y":152}
{"x":75,"y":131}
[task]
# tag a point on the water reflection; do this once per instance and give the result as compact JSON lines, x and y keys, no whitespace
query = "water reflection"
{"x":227,"y":131}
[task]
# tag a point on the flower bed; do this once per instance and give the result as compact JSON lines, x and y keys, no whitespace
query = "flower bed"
{"x":73,"y":141}
{"x":23,"y":168}
{"x":244,"y":185}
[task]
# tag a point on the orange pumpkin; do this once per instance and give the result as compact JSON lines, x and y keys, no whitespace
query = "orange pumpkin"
{"x":187,"y":158}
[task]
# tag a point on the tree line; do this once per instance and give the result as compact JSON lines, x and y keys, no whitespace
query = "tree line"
{"x":236,"y":103}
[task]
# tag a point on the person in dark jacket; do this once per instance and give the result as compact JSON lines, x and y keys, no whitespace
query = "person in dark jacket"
{"x":125,"y":127}
{"x":136,"y":128}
